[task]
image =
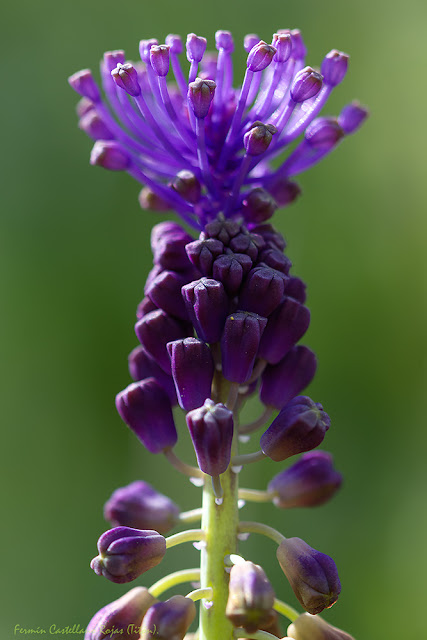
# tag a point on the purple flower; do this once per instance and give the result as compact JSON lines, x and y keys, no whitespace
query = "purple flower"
{"x":203,"y":126}
{"x":211,"y":430}
{"x":286,"y":379}
{"x":192,"y":371}
{"x":140,"y":506}
{"x":309,"y":627}
{"x":125,"y":553}
{"x":169,"y":620}
{"x":239,"y":345}
{"x":250,"y":597}
{"x":308,"y":483}
{"x":312,"y":575}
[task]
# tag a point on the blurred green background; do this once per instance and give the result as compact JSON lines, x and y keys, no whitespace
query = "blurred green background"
{"x":74,"y":253}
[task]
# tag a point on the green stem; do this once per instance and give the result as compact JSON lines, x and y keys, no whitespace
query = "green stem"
{"x":257,"y":635}
{"x":198,"y":594}
{"x":254,"y":495}
{"x":192,"y":535}
{"x":263,"y":529}
{"x":190,"y":516}
{"x":286,"y":610}
{"x":248,"y":458}
{"x":178,"y":577}
{"x":186,"y":469}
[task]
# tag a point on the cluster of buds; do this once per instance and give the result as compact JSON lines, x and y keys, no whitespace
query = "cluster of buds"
{"x":220,"y":322}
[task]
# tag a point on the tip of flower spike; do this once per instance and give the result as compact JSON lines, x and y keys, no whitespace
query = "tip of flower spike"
{"x":224,"y":40}
{"x":174,"y":42}
{"x":352,"y":117}
{"x":126,"y":77}
{"x":307,"y":84}
{"x":109,"y":155}
{"x":283,"y":45}
{"x":159,"y":58}
{"x":196,"y":47}
{"x":200,"y":96}
{"x":334,"y":67}
{"x":83,"y":83}
{"x":260,"y":56}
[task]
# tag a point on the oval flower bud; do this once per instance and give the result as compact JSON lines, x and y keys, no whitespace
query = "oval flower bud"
{"x":286,"y":325}
{"x":200,"y":95}
{"x":207,"y":305}
{"x":192,"y":370}
{"x":258,"y":138}
{"x":307,"y":84}
{"x":169,"y":620}
{"x":239,"y":345}
{"x":142,"y":365}
{"x":258,"y":206}
{"x":110,"y":155}
{"x":175,"y":43}
{"x":168,"y":241}
{"x":159,"y":58}
{"x":125,"y":553}
{"x":309,"y":627}
{"x":145,"y":407}
{"x":196,"y":47}
{"x":121,"y":619}
{"x":250,"y":597}
{"x":334,"y":67}
{"x":126,"y":77}
{"x":282,"y":42}
{"x":230,"y":269}
{"x":188,"y":186}
{"x":283,"y":381}
{"x":308,"y":483}
{"x":300,"y":426}
{"x":165,"y":291}
{"x":211,"y":430}
{"x":84,"y":84}
{"x":352,"y":117}
{"x":140,"y":506}
{"x":260,"y":56}
{"x":94,"y":126}
{"x":323,"y":134}
{"x":312,"y":575}
{"x":202,"y":254}
{"x":154,"y":330}
{"x":284,"y":191}
{"x":262,"y":291}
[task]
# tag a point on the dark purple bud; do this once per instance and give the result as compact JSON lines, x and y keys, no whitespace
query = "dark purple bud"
{"x":121,"y":619}
{"x":84,"y":84}
{"x":207,"y":306}
{"x":144,"y":49}
{"x":260,"y":56}
{"x":284,"y":191}
{"x":165,"y":292}
{"x":258,"y":206}
{"x":94,"y":126}
{"x":262,"y":291}
{"x":142,"y":365}
{"x":286,"y":325}
{"x":352,"y":117}
{"x":239,"y":345}
{"x":308,"y":483}
{"x":125,"y":553}
{"x":175,"y":43}
{"x":283,"y":45}
{"x":187,"y":185}
{"x":145,"y":307}
{"x":323,"y":134}
{"x":283,"y":381}
{"x":148,"y":200}
{"x":300,"y":426}
{"x":168,"y":242}
{"x":192,"y":370}
{"x":113,"y":58}
{"x":250,"y":597}
{"x":334,"y":67}
{"x":169,"y":620}
{"x":202,"y":254}
{"x":271,"y":237}
{"x":313,"y":576}
{"x":126,"y":77}
{"x":200,"y":96}
{"x":145,"y":407}
{"x":159,"y":58}
{"x":224,"y":40}
{"x":211,"y":430}
{"x":295,"y":288}
{"x":196,"y":47}
{"x":249,"y":41}
{"x":249,"y":243}
{"x":230,"y":269}
{"x":308,"y":627}
{"x":140,"y":506}
{"x":258,"y":138}
{"x":165,"y":230}
{"x":109,"y":154}
{"x":272,"y":257}
{"x":299,"y":50}
{"x":307,"y":84}
{"x":222,"y":229}
{"x":155,"y":330}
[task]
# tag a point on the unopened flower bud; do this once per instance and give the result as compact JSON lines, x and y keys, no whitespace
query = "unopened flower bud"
{"x":144,"y":307}
{"x":188,"y":186}
{"x":169,"y":620}
{"x":159,"y":58}
{"x":207,"y":306}
{"x":142,"y":365}
{"x":94,"y":126}
{"x":270,"y":236}
{"x":307,"y":84}
{"x":334,"y":67}
{"x":145,"y":47}
{"x":308,"y":483}
{"x":299,"y":50}
{"x":230,"y":269}
{"x":224,"y":40}
{"x":260,"y":56}
{"x":352,"y":117}
{"x":165,"y":292}
{"x":110,"y":155}
{"x":140,"y":506}
{"x":283,"y":381}
{"x":200,"y":96}
{"x":323,"y":134}
{"x":126,"y":553}
{"x":84,"y":106}
{"x":192,"y":370}
{"x":258,"y":206}
{"x":272,"y":257}
{"x":121,"y":619}
{"x":148,"y":200}
{"x":286,"y":325}
{"x":196,"y":47}
{"x":202,"y":254}
{"x":249,"y":243}
{"x":309,"y":627}
{"x":222,"y":229}
{"x":84,"y":83}
{"x":312,"y":575}
{"x":112,"y":59}
{"x":249,"y":41}
{"x":282,"y":42}
{"x":154,"y":330}
{"x":211,"y":430}
{"x":300,"y":426}
{"x":258,"y":138}
{"x":145,"y":407}
{"x":284,"y":191}
{"x":262,"y":291}
{"x":295,"y":288}
{"x":251,"y":597}
{"x":239,"y":345}
{"x":126,"y":77}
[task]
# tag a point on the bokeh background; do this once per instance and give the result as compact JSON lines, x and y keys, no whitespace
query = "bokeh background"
{"x":74,"y":253}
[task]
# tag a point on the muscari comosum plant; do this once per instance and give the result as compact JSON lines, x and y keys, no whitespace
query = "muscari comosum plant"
{"x":220,"y":322}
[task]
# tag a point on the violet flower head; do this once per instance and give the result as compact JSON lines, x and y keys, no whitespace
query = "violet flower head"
{"x":204,"y":126}
{"x":126,"y":553}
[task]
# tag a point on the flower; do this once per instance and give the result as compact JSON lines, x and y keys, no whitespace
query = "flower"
{"x":202,"y":146}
